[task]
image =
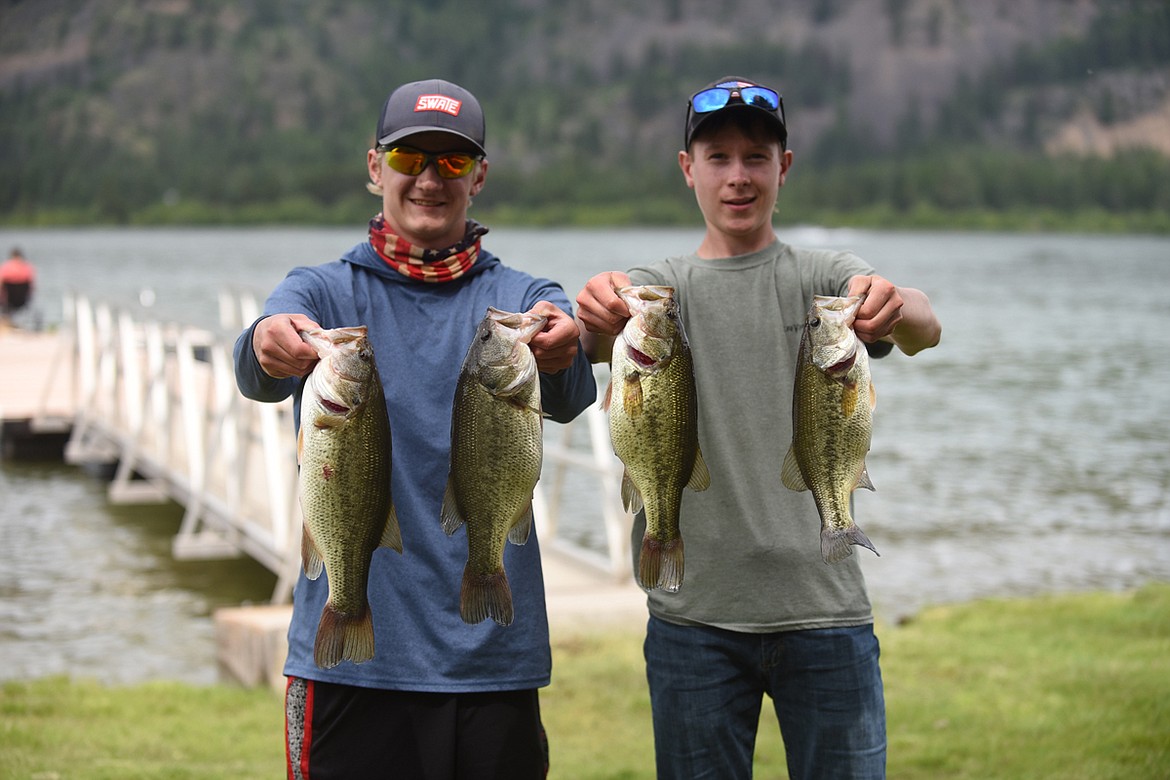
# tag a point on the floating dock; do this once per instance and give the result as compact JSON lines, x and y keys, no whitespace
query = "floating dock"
{"x":36,"y":409}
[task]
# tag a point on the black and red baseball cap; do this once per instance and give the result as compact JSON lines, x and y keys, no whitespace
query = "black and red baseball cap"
{"x":429,"y":106}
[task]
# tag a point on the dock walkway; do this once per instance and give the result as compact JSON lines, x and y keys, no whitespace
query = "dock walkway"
{"x":36,"y":407}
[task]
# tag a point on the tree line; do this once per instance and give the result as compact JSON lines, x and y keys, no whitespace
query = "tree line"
{"x":239,"y":149}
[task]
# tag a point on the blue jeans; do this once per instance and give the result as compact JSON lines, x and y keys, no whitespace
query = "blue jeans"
{"x":707,"y":686}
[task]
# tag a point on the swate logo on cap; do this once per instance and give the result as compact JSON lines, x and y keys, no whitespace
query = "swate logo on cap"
{"x":442,"y":103}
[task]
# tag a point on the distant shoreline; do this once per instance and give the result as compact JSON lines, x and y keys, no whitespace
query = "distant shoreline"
{"x":619,"y":216}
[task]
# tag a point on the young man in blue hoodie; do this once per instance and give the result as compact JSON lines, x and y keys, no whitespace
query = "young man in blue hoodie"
{"x":440,"y":698}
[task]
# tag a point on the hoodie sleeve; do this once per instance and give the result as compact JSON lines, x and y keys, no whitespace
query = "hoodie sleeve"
{"x":297,"y":292}
{"x":565,"y":394}
{"x":250,"y":377}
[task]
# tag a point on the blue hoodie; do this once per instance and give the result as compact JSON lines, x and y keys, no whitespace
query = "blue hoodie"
{"x":420,"y":333}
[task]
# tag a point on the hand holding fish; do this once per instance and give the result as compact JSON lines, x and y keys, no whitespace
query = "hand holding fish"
{"x":600,"y":308}
{"x":279,"y":347}
{"x":901,"y":315}
{"x":602,"y":314}
{"x":881,"y":307}
{"x":555,"y":346}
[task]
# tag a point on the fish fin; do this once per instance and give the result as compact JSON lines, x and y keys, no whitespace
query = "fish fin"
{"x":632,"y":396}
{"x":392,"y":533}
{"x":485,"y":595}
{"x":790,"y":474}
{"x":660,"y":564}
{"x":608,"y":396}
{"x":300,"y":444}
{"x":835,"y":543}
{"x":343,"y":637}
{"x":518,"y":533}
{"x":872,"y":396}
{"x":311,"y":560}
{"x":849,"y":396}
{"x":631,"y":496}
{"x":700,"y":477}
{"x":523,"y":405}
{"x":863,"y":480}
{"x":450,"y":515}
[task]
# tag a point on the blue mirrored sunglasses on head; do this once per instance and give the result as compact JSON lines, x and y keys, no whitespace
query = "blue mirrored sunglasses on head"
{"x":716,"y":98}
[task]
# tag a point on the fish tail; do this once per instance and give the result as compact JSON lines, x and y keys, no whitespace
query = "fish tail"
{"x":835,"y":542}
{"x":343,"y":637}
{"x":484,"y":596}
{"x":660,"y":564}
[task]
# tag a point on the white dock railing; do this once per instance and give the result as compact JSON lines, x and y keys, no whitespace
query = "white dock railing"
{"x":160,"y":401}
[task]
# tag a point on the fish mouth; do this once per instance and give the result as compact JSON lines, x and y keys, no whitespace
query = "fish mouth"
{"x":324,"y":340}
{"x":637,"y":297}
{"x":528,"y":325}
{"x":640,"y":357}
{"x":843,"y":366}
{"x":335,"y":408}
{"x":837,"y":308}
{"x":650,"y":292}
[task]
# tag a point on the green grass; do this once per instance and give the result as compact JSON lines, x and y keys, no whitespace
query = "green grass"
{"x":54,"y":729}
{"x":1055,"y":687}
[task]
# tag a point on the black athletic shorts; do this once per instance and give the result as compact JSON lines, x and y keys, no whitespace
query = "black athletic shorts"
{"x":341,"y":731}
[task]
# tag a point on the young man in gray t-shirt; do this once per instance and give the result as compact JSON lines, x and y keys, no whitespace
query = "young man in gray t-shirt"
{"x":759,"y":610}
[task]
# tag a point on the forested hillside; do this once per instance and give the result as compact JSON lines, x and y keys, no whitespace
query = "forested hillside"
{"x":900,"y":111}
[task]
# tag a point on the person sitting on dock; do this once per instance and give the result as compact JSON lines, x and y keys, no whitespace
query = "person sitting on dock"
{"x":17,"y":277}
{"x":440,"y":698}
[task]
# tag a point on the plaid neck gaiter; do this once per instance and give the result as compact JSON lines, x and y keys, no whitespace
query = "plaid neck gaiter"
{"x":426,"y":265}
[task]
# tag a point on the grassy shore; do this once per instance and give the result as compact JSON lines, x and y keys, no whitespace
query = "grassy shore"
{"x":1054,"y":687}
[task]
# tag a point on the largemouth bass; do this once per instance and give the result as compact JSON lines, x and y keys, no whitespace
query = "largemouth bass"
{"x":654,"y":427}
{"x":343,"y":449}
{"x":832,"y":420}
{"x":496,"y":454}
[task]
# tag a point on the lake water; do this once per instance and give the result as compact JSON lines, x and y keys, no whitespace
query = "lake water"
{"x":1029,"y":453}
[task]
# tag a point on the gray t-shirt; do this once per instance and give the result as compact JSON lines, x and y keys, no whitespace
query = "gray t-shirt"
{"x":752,"y":546}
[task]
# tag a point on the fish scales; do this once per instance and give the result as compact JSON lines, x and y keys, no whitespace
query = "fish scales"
{"x":344,"y":453}
{"x":832,"y":421}
{"x":497,"y":448}
{"x":654,"y":427}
